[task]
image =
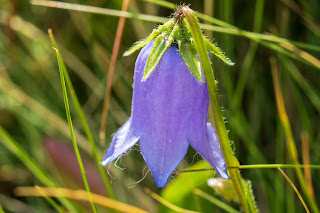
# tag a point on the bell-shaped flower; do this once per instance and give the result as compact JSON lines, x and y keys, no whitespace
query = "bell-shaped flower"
{"x":169,"y":113}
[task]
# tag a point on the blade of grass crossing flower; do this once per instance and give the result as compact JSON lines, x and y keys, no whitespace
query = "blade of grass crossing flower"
{"x":226,"y":28}
{"x":36,"y":170}
{"x":74,"y":142}
{"x":257,"y":166}
{"x":288,"y":132}
{"x":295,"y":189}
{"x":215,"y":201}
{"x":83,"y":121}
{"x":219,"y":124}
{"x":231,"y":29}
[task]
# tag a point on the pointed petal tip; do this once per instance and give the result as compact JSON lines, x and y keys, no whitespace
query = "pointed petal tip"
{"x":223,"y":173}
{"x":162,"y":170}
{"x":104,"y":162}
{"x":161,"y":183}
{"x":122,"y":141}
{"x":162,"y":179}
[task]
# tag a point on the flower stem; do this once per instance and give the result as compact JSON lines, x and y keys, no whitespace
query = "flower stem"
{"x":231,"y":161}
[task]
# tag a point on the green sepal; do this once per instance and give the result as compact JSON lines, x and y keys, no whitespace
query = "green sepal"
{"x":217,"y":52}
{"x":186,"y":30}
{"x":188,"y":53}
{"x":161,"y":44}
{"x":163,"y":28}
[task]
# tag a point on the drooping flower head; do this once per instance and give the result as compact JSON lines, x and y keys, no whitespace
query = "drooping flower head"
{"x":169,"y":105}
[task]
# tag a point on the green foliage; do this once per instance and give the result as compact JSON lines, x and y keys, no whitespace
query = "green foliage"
{"x":32,"y":107}
{"x":180,"y":191}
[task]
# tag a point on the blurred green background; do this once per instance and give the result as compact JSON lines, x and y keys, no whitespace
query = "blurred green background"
{"x":32,"y":109}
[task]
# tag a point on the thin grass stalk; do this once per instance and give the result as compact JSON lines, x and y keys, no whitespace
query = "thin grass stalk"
{"x":36,"y":170}
{"x":295,"y":189}
{"x":224,"y":27}
{"x":110,"y":74}
{"x":256,"y":166}
{"x":98,"y":10}
{"x":288,"y":133}
{"x":84,"y":122}
{"x":306,"y":160}
{"x":74,"y":142}
{"x":219,"y":124}
{"x":233,"y":30}
{"x":278,"y":194}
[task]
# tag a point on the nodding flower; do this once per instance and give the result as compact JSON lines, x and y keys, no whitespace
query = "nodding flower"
{"x":169,"y":107}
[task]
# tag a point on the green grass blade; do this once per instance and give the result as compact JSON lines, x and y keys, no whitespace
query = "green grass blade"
{"x":303,"y":83}
{"x":84,"y":122}
{"x":246,"y":65}
{"x":74,"y":142}
{"x":50,"y":200}
{"x":163,"y":4}
{"x":291,"y":146}
{"x":98,"y":10}
{"x":1,"y":209}
{"x":19,"y":152}
{"x":231,"y":29}
{"x":224,"y":27}
{"x":215,"y":201}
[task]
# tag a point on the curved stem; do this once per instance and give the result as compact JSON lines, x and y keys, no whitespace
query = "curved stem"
{"x":231,"y":161}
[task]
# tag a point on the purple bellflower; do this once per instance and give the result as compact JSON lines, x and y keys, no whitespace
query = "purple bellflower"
{"x":169,"y":111}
